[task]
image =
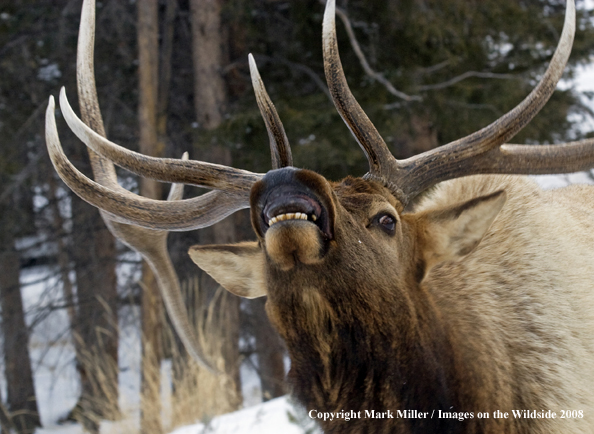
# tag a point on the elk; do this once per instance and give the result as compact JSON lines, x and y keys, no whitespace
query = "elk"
{"x":476,"y":296}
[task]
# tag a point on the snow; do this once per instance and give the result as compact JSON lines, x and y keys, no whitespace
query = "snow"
{"x":274,"y":416}
{"x":549,"y":182}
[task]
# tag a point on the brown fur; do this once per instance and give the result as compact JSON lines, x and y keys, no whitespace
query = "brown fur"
{"x":472,"y":305}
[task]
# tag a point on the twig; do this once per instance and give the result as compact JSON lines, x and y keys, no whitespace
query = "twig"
{"x":434,"y":68}
{"x":363,"y":60}
{"x":464,"y":76}
{"x":303,"y":68}
{"x":298,"y":66}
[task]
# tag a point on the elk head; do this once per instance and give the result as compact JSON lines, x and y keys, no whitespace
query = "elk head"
{"x":336,"y":259}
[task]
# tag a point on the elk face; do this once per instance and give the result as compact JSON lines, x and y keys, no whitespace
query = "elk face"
{"x":344,"y":284}
{"x":345,"y":236}
{"x":306,"y":224}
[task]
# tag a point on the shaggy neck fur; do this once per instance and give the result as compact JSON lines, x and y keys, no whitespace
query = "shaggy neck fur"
{"x":399,"y":355}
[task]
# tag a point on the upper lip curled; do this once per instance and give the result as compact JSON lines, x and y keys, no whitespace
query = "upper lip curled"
{"x":288,"y":202}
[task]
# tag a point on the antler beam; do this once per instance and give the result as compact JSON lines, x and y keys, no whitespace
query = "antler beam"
{"x":478,"y":153}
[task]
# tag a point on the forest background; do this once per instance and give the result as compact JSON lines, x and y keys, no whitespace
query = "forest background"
{"x":172,"y":76}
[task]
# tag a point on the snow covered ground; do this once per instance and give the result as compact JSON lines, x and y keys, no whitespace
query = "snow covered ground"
{"x":273,"y":417}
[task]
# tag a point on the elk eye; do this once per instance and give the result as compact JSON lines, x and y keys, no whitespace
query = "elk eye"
{"x":387,"y":223}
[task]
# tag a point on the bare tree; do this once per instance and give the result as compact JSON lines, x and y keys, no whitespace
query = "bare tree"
{"x":22,"y":404}
{"x":210,"y":99}
{"x":148,"y":74}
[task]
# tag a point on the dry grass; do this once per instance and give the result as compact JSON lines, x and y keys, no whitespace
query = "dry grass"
{"x":102,"y":401}
{"x":194,"y":395}
{"x":197,"y":393}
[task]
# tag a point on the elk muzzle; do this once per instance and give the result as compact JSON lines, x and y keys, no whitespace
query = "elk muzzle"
{"x":293,"y":215}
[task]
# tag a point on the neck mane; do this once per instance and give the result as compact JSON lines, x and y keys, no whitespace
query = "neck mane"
{"x":370,"y":358}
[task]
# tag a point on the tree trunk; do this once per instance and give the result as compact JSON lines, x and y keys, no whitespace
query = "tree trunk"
{"x":210,"y":100}
{"x":96,"y":325}
{"x":148,"y":71}
{"x":22,"y":402}
{"x":63,"y":260}
{"x":207,"y":59}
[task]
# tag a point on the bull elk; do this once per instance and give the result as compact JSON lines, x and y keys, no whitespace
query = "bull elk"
{"x":475,"y":297}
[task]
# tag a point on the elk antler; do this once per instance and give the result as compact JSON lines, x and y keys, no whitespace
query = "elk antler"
{"x":151,"y":218}
{"x":120,"y":205}
{"x":478,"y":153}
{"x":279,"y":144}
{"x":197,"y":173}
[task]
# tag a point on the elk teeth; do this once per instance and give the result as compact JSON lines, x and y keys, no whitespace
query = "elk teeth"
{"x":290,"y":216}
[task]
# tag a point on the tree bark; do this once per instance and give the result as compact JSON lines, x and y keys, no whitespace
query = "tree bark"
{"x":22,"y":402}
{"x":151,"y":317}
{"x":63,"y":259}
{"x":210,"y":100}
{"x":207,"y":58}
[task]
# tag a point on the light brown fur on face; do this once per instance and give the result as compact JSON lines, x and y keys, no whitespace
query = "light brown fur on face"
{"x":291,"y":243}
{"x":480,"y":300}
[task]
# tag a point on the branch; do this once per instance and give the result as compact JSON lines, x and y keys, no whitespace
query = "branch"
{"x":362,"y":59}
{"x":298,"y":66}
{"x":464,"y":76}
{"x":434,"y":68}
{"x":381,"y":79}
{"x":303,"y":68}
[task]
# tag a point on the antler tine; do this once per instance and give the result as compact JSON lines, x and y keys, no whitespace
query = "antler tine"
{"x":537,"y":159}
{"x":472,"y":154}
{"x":176,"y":192}
{"x":382,"y":164}
{"x":280,"y":150}
{"x":125,"y":207}
{"x":197,"y":173}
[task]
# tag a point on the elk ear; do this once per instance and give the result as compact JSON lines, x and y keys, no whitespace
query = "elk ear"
{"x":239,"y":268}
{"x":453,"y":232}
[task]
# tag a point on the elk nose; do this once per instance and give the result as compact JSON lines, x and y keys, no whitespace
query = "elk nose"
{"x":289,"y":194}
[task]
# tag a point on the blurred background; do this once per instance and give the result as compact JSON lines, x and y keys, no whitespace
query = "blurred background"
{"x":86,"y":344}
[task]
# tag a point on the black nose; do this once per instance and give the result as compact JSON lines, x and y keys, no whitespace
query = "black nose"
{"x":287,"y":194}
